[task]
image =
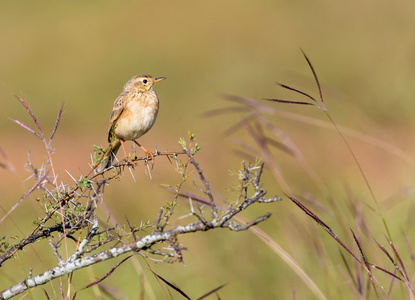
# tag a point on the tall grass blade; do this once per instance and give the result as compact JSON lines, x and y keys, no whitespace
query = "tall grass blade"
{"x":56,"y":123}
{"x":30,"y":113}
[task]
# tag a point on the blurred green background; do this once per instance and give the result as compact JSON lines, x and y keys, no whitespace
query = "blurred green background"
{"x":81,"y":53}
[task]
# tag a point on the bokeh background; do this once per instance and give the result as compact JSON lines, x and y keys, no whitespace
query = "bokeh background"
{"x":80,"y":54}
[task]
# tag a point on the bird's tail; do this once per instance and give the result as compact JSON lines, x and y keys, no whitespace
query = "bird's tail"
{"x":109,"y":155}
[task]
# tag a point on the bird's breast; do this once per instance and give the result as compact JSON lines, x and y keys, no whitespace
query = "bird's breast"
{"x":138,"y":116}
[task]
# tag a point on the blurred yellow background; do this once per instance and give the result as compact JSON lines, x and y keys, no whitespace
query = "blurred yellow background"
{"x":80,"y":54}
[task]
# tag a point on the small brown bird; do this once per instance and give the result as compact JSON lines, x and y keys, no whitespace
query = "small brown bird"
{"x":133,"y":114}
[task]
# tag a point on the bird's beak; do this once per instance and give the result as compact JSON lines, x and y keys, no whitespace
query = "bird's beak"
{"x":159,"y":79}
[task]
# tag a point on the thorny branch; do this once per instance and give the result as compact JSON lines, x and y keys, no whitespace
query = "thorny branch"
{"x":78,"y":216}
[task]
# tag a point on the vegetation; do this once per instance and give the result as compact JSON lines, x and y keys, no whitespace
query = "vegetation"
{"x":338,"y":153}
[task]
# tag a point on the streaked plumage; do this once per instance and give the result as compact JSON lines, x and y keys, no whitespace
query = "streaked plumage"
{"x":133,"y":114}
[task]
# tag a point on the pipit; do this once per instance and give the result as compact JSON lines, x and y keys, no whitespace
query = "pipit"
{"x":133,"y":114}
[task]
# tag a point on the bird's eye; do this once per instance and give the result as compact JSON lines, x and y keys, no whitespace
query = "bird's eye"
{"x":145,"y":81}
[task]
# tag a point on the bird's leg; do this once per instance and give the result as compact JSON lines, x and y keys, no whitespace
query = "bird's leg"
{"x":149,"y":155}
{"x":125,"y":153}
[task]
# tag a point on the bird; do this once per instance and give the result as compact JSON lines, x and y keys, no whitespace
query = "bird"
{"x":133,"y":114}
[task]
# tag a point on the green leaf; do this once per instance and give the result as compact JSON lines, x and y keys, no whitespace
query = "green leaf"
{"x":191,"y":135}
{"x":182,"y":142}
{"x":195,"y":149}
{"x":85,"y":183}
{"x":97,"y":154}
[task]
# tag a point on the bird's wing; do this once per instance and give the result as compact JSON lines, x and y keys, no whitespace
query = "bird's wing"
{"x":117,"y":109}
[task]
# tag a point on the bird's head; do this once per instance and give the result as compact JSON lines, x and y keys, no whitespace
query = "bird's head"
{"x":142,"y":82}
